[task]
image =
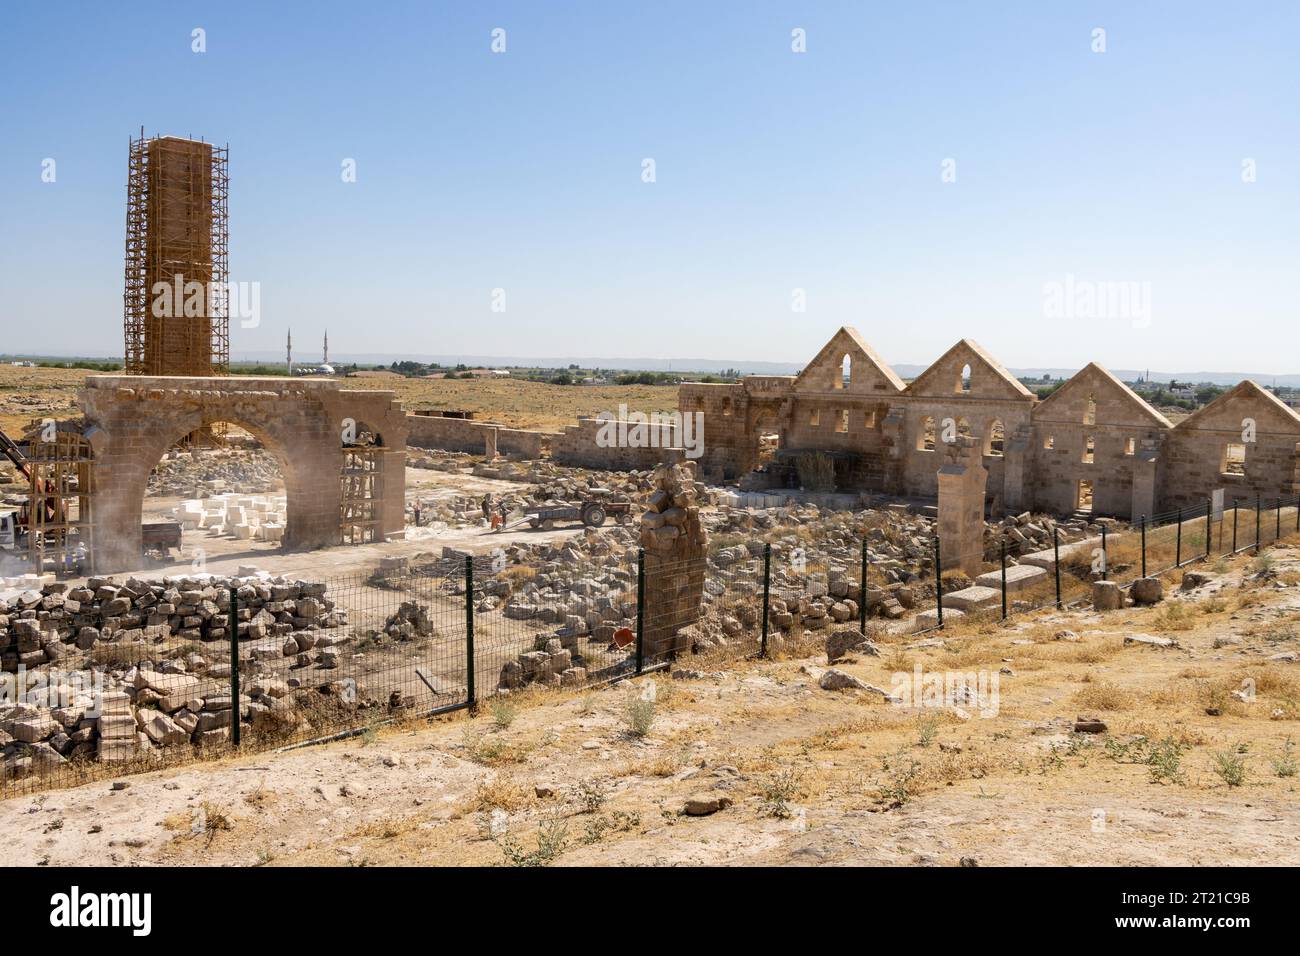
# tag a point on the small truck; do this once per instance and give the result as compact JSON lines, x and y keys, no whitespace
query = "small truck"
{"x":160,"y":536}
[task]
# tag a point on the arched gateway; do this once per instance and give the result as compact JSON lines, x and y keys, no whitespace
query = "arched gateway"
{"x":307,"y":425}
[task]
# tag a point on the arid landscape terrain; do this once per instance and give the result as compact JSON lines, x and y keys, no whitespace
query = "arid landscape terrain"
{"x":1185,"y":754}
{"x":27,"y":393}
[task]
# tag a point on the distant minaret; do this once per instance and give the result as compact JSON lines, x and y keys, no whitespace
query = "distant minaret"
{"x":288,"y":351}
{"x":325,"y":353}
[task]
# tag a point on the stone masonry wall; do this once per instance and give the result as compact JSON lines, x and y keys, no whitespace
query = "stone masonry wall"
{"x":579,"y":445}
{"x":467,"y":435}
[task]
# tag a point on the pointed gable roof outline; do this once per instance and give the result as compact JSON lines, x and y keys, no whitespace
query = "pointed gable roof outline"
{"x":835,"y":346}
{"x":976,"y":352}
{"x":1245,"y":388}
{"x":1138,"y":401}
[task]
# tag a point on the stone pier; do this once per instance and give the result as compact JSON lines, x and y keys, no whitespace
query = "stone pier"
{"x":675,"y":546}
{"x":962,"y":482}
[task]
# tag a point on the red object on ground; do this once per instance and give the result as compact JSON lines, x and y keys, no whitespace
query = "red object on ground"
{"x":623,"y":637}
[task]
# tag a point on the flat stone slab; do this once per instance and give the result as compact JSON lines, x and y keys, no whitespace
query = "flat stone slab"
{"x":930,"y":618}
{"x":1047,"y":559}
{"x":972,"y":598}
{"x":1019,"y":577}
{"x":1150,"y":640}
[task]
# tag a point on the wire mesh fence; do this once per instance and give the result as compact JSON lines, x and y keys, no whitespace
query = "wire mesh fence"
{"x":112,"y":678}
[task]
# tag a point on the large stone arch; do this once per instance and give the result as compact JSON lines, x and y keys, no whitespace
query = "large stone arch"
{"x":133,"y":420}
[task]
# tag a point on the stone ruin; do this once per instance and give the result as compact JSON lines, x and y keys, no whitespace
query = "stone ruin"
{"x":122,"y":669}
{"x":675,"y":546}
{"x":962,"y":480}
{"x":1093,"y":445}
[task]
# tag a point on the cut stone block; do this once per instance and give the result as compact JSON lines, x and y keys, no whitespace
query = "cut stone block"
{"x":930,"y":618}
{"x":1019,"y":577}
{"x":973,"y":598}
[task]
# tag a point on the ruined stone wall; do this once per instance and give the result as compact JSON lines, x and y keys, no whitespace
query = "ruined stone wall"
{"x":133,"y":420}
{"x":1119,"y":454}
{"x":467,"y":435}
{"x":973,"y":417}
{"x":728,"y":438}
{"x":580,"y":445}
{"x":1126,"y":435}
{"x":675,"y":546}
{"x":735,"y":416}
{"x":1193,"y":463}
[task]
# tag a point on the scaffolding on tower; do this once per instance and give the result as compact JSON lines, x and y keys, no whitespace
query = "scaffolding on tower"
{"x":177,"y":234}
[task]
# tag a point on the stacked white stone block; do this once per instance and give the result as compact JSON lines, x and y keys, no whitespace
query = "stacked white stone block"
{"x":243,"y":517}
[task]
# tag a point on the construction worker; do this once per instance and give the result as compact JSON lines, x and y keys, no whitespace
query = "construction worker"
{"x":416,"y":509}
{"x":487,"y":507}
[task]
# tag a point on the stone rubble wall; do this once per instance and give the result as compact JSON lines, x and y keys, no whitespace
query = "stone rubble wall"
{"x":117,"y":670}
{"x":473,"y":437}
{"x":579,"y":445}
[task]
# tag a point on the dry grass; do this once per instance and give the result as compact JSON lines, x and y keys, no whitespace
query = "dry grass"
{"x":1107,"y":697}
{"x":525,"y":404}
{"x":500,"y":793}
{"x":518,"y":404}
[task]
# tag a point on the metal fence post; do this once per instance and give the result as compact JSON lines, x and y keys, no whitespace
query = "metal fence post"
{"x":1105,"y":558}
{"x":640,"y":610}
{"x":767,"y":594}
{"x":1235,"y":503}
{"x":1209,"y":526}
{"x":1178,"y":548}
{"x":1277,"y":532}
{"x":471,"y":698}
{"x":234,"y":665}
{"x":862,"y":593}
{"x":1258,"y":503}
{"x":1144,"y":546}
{"x":938,"y":584}
{"x":1297,"y":513}
{"x":1056,"y":561}
{"x":1004,"y":579}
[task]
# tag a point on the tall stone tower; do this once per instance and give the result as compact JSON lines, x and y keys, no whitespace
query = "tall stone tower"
{"x":176,"y":313}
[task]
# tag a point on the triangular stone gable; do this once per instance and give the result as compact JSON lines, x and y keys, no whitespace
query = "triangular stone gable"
{"x":870,"y":374}
{"x":1117,"y":404}
{"x":989,"y":379}
{"x":1246,"y":399}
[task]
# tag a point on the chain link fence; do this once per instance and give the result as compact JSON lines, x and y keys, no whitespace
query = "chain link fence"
{"x":110,"y":678}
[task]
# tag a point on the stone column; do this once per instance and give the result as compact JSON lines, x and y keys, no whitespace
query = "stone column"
{"x":1144,"y":481}
{"x":1015,"y":454}
{"x":675,"y":546}
{"x":490,"y":443}
{"x":392,"y":508}
{"x":962,"y":482}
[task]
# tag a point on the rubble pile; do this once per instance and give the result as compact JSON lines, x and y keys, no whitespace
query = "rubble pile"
{"x":411,"y":620}
{"x":120,"y":670}
{"x":211,"y":471}
{"x":1025,"y":533}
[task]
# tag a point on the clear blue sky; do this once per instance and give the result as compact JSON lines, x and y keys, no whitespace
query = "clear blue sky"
{"x":775,"y":171}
